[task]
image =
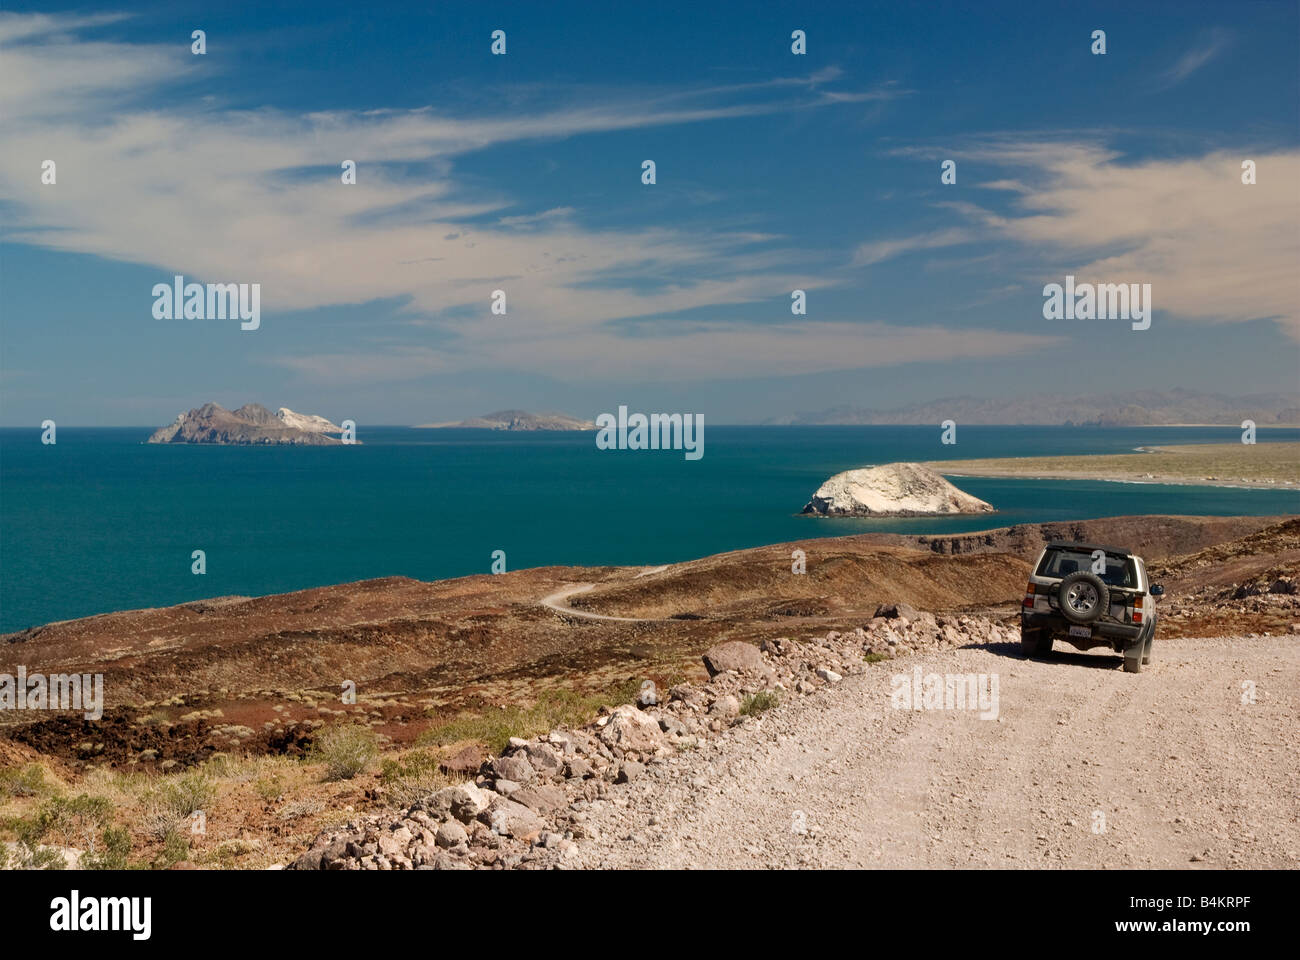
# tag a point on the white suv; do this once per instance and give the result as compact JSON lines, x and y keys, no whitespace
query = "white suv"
{"x":1090,"y":596}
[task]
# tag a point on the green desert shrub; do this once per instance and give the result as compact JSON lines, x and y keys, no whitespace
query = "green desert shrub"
{"x":112,"y":853}
{"x":175,"y":800}
{"x":412,"y":777}
{"x":756,"y":703}
{"x":25,"y":781}
{"x":553,"y":708}
{"x":346,"y":750}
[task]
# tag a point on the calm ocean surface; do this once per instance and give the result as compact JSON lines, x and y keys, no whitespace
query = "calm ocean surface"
{"x":102,"y":521}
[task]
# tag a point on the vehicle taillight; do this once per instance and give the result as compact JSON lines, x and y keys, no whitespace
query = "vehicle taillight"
{"x":1029,"y":595}
{"x":1137,"y":610}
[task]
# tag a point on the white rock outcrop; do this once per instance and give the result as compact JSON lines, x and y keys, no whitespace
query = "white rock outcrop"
{"x":306,"y":421}
{"x":891,"y":490}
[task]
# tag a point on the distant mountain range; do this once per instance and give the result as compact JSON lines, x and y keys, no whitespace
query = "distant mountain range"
{"x":519,"y":420}
{"x":250,"y":424}
{"x":1138,"y":408}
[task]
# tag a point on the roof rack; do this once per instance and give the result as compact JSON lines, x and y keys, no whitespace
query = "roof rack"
{"x":1080,"y":545}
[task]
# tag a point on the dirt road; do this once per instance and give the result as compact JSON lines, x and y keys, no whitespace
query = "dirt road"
{"x":1085,"y":766}
{"x":558,"y":601}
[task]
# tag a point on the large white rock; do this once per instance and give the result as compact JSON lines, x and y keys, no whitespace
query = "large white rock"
{"x":306,"y":421}
{"x":891,"y":490}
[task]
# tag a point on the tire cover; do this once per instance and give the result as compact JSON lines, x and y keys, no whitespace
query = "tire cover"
{"x":1075,"y":592}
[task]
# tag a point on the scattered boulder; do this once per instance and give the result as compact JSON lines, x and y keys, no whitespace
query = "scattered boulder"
{"x":895,"y":611}
{"x":508,"y":818}
{"x":576,"y":768}
{"x":451,"y":834}
{"x":541,"y":798}
{"x":466,"y":801}
{"x":465,"y":761}
{"x":725,"y":707}
{"x":513,"y":767}
{"x":629,"y":771}
{"x":544,"y":760}
{"x":733,"y":655}
{"x":630,"y":729}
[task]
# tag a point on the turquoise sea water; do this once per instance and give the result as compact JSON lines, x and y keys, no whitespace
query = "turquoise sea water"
{"x":102,"y":521}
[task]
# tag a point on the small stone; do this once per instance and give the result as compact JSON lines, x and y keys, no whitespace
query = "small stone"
{"x":451,"y":834}
{"x":540,"y":799}
{"x":576,"y":768}
{"x":629,"y":771}
{"x":507,"y":818}
{"x":544,"y":760}
{"x":649,"y":696}
{"x":512,"y":768}
{"x":725,"y":707}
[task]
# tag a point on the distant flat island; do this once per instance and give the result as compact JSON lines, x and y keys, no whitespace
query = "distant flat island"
{"x":250,"y":425}
{"x":516,"y":420}
{"x":1140,"y":408}
{"x":1274,"y":465}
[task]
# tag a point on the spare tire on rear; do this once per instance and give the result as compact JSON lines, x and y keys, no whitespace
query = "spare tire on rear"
{"x":1083,"y":597}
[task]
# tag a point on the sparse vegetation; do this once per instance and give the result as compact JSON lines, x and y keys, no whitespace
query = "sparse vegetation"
{"x":31,"y":780}
{"x":413,"y":776}
{"x":756,"y":703}
{"x":306,"y":807}
{"x":553,"y":708}
{"x":875,"y":657}
{"x":114,"y":852}
{"x":1226,"y":462}
{"x":346,"y":750}
{"x":175,"y":849}
{"x":269,"y":788}
{"x":169,"y":805}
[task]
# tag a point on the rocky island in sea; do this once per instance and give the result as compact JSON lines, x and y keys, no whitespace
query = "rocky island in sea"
{"x":519,"y":420}
{"x":251,"y":424}
{"x":891,"y":490}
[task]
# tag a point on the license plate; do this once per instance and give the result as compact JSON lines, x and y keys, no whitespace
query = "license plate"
{"x":1081,"y":631}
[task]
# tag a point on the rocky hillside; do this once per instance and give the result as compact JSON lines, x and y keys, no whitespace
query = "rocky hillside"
{"x":892,"y":490}
{"x":1152,"y":537}
{"x":251,"y":424}
{"x":519,"y":420}
{"x":529,"y":806}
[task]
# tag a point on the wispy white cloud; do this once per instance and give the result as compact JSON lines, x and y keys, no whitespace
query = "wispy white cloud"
{"x":878,"y":251}
{"x":1209,"y":48}
{"x":221,"y":195}
{"x":1214,"y":249}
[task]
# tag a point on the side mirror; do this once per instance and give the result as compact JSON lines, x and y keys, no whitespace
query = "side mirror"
{"x":1157,"y":590}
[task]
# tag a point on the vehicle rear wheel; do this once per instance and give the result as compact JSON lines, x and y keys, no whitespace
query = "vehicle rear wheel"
{"x":1146,"y":647}
{"x":1035,"y":642}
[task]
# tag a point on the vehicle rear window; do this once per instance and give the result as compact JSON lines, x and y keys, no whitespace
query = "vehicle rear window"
{"x":1120,"y":571}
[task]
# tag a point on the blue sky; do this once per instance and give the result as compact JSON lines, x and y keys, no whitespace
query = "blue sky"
{"x":522,"y":172}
